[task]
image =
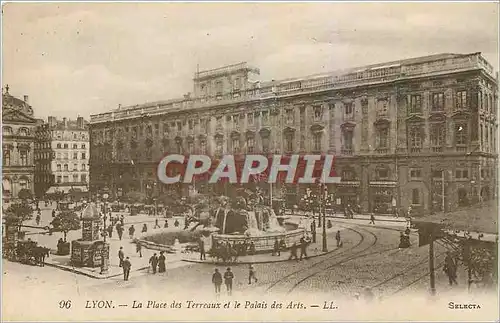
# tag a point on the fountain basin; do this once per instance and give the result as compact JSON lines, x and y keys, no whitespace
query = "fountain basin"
{"x":263,"y":243}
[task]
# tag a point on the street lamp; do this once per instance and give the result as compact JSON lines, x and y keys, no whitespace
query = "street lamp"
{"x":323,"y":198}
{"x":105,"y":250}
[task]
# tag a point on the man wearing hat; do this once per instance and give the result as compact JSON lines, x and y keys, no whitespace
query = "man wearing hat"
{"x":228,"y":280}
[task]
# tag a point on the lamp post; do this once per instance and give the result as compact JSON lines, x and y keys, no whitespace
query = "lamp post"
{"x":323,"y":191}
{"x":105,"y":250}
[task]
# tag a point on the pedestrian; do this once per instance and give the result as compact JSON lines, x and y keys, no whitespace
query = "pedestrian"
{"x":313,"y":231}
{"x":303,"y":246}
{"x":228,"y":280}
{"x":276,"y":248}
{"x":131,"y":231}
{"x":121,"y":256}
{"x":166,"y":224}
{"x":154,"y":262}
{"x":217,"y":281}
{"x":338,"y":238}
{"x":156,"y":224}
{"x":176,"y":223}
{"x":251,"y":274}
{"x":38,"y":218}
{"x":394,"y":209}
{"x":144,"y":228}
{"x":201,"y":246}
{"x":293,"y":252}
{"x":450,"y":268}
{"x":161,"y":263}
{"x":138,"y":249}
{"x":53,"y":213}
{"x":119,"y":230}
{"x":372,"y":218}
{"x":110,"y":231}
{"x":126,"y":268}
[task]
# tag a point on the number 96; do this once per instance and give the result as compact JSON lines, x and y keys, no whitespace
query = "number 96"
{"x":65,"y":304}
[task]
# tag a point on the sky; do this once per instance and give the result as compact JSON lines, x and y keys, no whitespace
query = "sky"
{"x":86,"y":58}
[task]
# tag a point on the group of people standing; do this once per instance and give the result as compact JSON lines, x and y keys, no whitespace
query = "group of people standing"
{"x":228,"y":277}
{"x":158,"y":263}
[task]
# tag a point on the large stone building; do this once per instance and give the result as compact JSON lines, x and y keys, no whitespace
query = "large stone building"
{"x":61,"y":156}
{"x":18,"y":130}
{"x":419,"y":132}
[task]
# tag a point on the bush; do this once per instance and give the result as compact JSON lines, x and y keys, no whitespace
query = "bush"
{"x":168,"y":238}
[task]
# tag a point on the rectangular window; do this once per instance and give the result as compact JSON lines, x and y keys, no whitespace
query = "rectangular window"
{"x":415,"y":173}
{"x":190,"y":123}
{"x":437,"y":102}
{"x":236,"y":122}
{"x":461,"y":100}
{"x":75,"y":178}
{"x":236,"y":145}
{"x":59,"y":179}
{"x":23,"y":155}
{"x":265,"y":117}
{"x":58,"y":167}
{"x":83,"y":167}
{"x":65,"y":179}
{"x":250,"y":145}
{"x":289,"y":143}
{"x":415,"y":104}
{"x":65,"y":146}
{"x":6,"y":157}
{"x":461,"y":174}
{"x":415,"y":196}
{"x":265,"y":144}
{"x":190,"y":147}
{"x":203,"y":147}
{"x":75,"y":155}
{"x":318,"y":113}
{"x":83,"y":178}
{"x":84,"y":156}
{"x":382,"y":173}
{"x":416,"y":137}
{"x":66,"y":167}
{"x":75,"y":146}
{"x":437,"y":174}
{"x":218,"y":147}
{"x":218,"y":88}
{"x":382,"y":138}
{"x":348,"y":136}
{"x":179,"y":126}
{"x":317,"y":141}
{"x":83,"y":146}
{"x":75,"y":167}
{"x":437,"y":135}
{"x":250,"y":118}
{"x":289,"y":116}
{"x":461,"y":134}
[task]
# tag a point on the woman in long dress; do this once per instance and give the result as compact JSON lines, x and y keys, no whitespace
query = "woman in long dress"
{"x":161,"y":262}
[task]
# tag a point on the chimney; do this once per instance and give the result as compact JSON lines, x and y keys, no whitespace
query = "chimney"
{"x":26,"y":99}
{"x":51,"y":121}
{"x":79,"y":122}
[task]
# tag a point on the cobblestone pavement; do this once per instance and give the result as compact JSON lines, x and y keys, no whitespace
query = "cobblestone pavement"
{"x":369,"y":256}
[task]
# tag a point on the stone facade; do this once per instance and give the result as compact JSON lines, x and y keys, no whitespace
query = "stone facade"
{"x":393,"y":127}
{"x":18,"y":129}
{"x":62,"y":156}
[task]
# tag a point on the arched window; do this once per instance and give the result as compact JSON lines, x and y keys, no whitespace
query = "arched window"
{"x":23,"y":132}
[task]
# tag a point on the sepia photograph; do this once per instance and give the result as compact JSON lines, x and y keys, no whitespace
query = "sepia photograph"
{"x":250,"y":161}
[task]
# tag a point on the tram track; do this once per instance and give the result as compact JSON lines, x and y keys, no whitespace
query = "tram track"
{"x":290,"y":283}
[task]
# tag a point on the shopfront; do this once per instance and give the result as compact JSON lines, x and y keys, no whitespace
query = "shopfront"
{"x":381,"y":197}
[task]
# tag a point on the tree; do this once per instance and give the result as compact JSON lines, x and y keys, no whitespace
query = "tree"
{"x":17,"y":213}
{"x":25,"y":194}
{"x":135,"y":197}
{"x":66,"y":221}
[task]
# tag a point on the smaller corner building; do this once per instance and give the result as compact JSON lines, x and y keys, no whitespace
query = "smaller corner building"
{"x":18,"y":130}
{"x":61,"y":156}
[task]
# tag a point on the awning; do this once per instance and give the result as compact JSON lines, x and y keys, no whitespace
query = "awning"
{"x":6,"y":185}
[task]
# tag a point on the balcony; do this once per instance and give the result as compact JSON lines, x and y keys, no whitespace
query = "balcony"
{"x":461,"y":148}
{"x":347,"y":152}
{"x":437,"y":149}
{"x":382,"y":151}
{"x":416,"y":150}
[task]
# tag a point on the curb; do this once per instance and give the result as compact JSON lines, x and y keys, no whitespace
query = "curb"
{"x":87,"y":274}
{"x":354,"y":218}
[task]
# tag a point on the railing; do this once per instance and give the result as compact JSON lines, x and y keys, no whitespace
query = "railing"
{"x":293,"y":87}
{"x":221,"y":70}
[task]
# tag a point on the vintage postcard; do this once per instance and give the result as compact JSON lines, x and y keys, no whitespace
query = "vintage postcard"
{"x":255,"y":161}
